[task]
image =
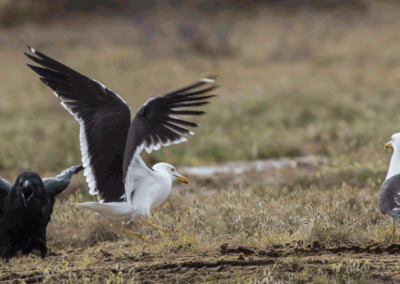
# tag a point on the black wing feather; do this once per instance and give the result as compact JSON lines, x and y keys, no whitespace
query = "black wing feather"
{"x":156,"y":123}
{"x":5,"y":188}
{"x":189,"y":99}
{"x":186,"y":112}
{"x":104,"y":118}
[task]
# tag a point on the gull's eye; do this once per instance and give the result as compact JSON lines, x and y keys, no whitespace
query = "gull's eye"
{"x":172,"y":170}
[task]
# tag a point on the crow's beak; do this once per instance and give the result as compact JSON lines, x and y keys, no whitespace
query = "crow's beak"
{"x":27,"y":192}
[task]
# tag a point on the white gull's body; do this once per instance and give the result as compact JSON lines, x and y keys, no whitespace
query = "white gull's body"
{"x":153,"y":192}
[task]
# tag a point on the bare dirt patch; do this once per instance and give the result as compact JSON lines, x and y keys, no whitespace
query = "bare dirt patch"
{"x":374,"y":263}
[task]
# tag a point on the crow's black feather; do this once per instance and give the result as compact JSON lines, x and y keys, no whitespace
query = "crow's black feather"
{"x":27,"y":206}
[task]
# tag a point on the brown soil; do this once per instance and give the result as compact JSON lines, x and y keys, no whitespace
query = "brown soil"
{"x":227,"y":265}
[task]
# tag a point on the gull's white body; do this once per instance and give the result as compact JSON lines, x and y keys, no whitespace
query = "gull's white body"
{"x":394,"y":167}
{"x":115,"y":178}
{"x":153,"y":191}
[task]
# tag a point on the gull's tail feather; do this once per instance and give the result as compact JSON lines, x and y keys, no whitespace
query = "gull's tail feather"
{"x":113,"y":211}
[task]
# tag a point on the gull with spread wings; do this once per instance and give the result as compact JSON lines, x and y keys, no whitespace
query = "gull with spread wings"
{"x":111,"y":144}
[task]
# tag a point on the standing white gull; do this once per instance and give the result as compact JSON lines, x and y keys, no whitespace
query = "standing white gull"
{"x":111,"y":144}
{"x":389,"y":194}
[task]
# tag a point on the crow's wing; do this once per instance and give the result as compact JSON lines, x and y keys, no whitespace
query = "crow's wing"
{"x":58,"y":184}
{"x":5,"y":188}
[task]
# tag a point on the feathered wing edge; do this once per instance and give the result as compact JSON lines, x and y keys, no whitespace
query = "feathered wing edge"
{"x":59,"y":183}
{"x":79,"y":94}
{"x":159,"y":121}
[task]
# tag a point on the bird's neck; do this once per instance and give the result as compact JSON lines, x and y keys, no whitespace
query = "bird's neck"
{"x":394,"y":167}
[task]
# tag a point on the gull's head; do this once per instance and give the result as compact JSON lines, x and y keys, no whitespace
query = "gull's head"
{"x":171,"y":171}
{"x":394,"y":142}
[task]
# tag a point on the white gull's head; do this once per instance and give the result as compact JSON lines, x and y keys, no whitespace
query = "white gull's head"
{"x":394,"y":167}
{"x":170,"y":171}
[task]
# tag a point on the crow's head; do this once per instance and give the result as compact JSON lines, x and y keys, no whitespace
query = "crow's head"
{"x":28,"y":185}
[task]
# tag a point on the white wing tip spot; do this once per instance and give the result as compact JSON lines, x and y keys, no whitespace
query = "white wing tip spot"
{"x":207,"y":80}
{"x":191,"y":133}
{"x":166,"y":144}
{"x":33,"y":50}
{"x":183,"y":139}
{"x":55,"y":93}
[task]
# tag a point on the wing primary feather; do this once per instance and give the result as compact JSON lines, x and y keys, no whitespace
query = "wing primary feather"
{"x":104,"y":120}
{"x":186,"y":112}
{"x":50,"y":60}
{"x":182,"y":122}
{"x":192,"y":86}
{"x":59,"y":85}
{"x":179,"y":100}
{"x":176,"y":128}
{"x":156,"y":122}
{"x":47,"y":73}
{"x":196,"y":93}
{"x":190,"y":105}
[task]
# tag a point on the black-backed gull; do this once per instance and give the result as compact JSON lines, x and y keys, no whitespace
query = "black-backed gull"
{"x":111,"y":143}
{"x":389,"y":194}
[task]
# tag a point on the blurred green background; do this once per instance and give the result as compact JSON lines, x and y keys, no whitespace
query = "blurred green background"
{"x":297,"y":77}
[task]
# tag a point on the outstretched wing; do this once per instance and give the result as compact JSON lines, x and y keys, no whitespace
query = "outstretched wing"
{"x":104,"y":120}
{"x":5,"y":188}
{"x":59,"y":183}
{"x":158,"y":123}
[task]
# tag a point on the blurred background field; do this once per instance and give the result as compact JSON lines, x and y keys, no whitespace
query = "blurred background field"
{"x":297,"y":78}
{"x":293,"y":81}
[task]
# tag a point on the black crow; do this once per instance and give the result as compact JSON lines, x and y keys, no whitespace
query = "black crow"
{"x":25,"y":211}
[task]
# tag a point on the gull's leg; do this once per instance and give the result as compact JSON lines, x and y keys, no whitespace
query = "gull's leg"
{"x":393,"y":230}
{"x":139,"y":235}
{"x":157,"y":227}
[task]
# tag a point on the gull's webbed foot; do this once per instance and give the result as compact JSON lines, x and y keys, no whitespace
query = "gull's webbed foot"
{"x":157,"y":227}
{"x":139,"y":235}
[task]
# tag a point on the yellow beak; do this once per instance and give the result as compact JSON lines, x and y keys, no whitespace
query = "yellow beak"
{"x":182,"y":179}
{"x":388,"y":145}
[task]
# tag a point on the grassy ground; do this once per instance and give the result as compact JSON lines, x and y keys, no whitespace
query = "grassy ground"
{"x":295,"y":87}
